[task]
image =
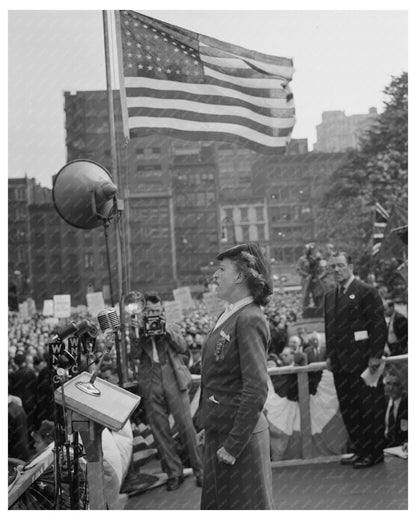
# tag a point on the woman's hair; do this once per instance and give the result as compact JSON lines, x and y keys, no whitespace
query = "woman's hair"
{"x":249,"y":260}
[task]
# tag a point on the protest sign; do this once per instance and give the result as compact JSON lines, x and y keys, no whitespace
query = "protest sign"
{"x":95,"y":302}
{"x":173,"y":311}
{"x":62,"y":305}
{"x":47,"y":308}
{"x":213,"y":304}
{"x":184,"y":297}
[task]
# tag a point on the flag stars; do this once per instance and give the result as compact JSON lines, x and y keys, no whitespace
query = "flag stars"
{"x":140,"y":66}
{"x":149,"y":67}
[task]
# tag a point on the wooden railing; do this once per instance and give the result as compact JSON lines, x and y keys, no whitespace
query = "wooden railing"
{"x":303,"y":392}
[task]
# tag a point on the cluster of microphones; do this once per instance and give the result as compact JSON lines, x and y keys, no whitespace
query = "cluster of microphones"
{"x":109,"y":323}
{"x":108,"y":320}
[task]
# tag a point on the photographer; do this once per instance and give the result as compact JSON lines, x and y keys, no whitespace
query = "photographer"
{"x":163,"y":382}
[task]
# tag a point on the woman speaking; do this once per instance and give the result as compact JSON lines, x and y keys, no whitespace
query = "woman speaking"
{"x":237,"y":471}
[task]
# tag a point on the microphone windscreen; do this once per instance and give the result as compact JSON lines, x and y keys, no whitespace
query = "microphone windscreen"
{"x":108,"y":319}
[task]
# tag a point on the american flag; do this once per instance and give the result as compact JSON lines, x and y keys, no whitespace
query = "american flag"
{"x":381,"y":217}
{"x":191,"y":86}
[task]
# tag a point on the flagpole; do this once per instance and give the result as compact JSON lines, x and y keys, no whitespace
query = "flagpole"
{"x":120,"y":352}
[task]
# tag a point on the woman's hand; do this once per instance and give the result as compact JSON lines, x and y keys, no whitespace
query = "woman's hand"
{"x":225,"y":457}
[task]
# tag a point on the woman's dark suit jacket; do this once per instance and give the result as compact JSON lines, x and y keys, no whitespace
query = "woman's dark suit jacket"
{"x":234,"y":377}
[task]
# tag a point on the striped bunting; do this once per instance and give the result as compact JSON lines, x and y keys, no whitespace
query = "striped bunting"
{"x":190,"y":86}
{"x":144,"y":447}
{"x":381,"y":216}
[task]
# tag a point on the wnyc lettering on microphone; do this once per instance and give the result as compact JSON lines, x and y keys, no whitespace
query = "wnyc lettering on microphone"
{"x":70,"y":355}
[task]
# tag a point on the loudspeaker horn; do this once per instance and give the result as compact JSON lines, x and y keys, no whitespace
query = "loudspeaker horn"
{"x":83,"y":193}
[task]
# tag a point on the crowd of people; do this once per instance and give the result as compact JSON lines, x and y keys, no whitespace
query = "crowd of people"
{"x":31,"y":394}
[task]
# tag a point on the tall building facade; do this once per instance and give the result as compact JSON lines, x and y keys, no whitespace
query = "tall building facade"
{"x":22,"y":192}
{"x":182,"y":202}
{"x":293,"y":187}
{"x":338,"y":132}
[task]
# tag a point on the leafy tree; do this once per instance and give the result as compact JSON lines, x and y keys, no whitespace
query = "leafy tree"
{"x":376,"y":172}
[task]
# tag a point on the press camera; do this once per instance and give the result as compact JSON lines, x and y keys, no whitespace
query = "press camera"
{"x":152,"y":322}
{"x":153,"y":325}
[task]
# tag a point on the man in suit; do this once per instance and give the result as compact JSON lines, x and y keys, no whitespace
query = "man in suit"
{"x":397,"y":329}
{"x":315,"y":352}
{"x":163,"y":386}
{"x":23,"y":384}
{"x":356,"y":333}
{"x":396,"y":426}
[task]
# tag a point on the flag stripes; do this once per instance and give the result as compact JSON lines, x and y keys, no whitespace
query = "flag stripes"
{"x":144,"y":447}
{"x":180,"y":83}
{"x":381,"y":216}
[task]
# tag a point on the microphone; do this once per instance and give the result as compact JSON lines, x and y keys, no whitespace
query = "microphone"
{"x":108,"y":319}
{"x":73,"y":328}
{"x":109,"y":322}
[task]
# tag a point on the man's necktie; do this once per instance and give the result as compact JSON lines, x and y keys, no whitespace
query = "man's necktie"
{"x":390,"y":424}
{"x":154,"y":351}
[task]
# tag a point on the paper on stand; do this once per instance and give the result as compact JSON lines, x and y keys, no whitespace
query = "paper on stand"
{"x":372,"y":379}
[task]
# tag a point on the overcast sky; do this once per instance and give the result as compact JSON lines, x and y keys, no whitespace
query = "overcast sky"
{"x":343,"y":60}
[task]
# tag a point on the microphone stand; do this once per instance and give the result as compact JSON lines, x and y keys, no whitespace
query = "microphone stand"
{"x":88,"y":386}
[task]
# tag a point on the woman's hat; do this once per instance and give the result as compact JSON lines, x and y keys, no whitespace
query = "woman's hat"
{"x":255,"y":258}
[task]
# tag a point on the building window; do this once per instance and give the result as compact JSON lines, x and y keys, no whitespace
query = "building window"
{"x":71,"y":239}
{"x":245,"y":232}
{"x":88,"y":260}
{"x":20,"y":254}
{"x":103,"y":259}
{"x":38,"y":240}
{"x":259,"y":214}
{"x":228,"y":213}
{"x":244,"y":214}
{"x":55,"y":264}
{"x":260,"y":233}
